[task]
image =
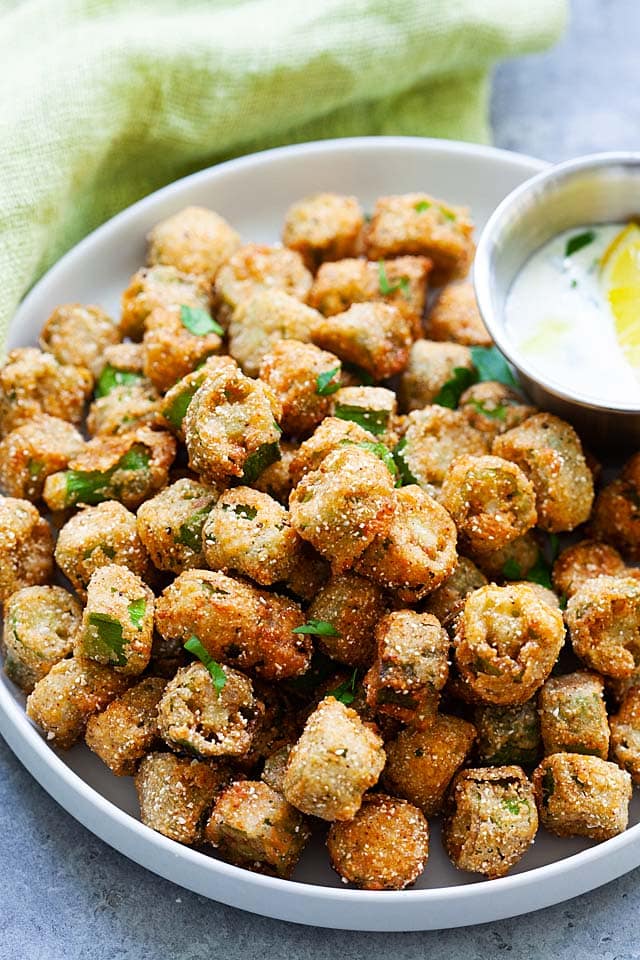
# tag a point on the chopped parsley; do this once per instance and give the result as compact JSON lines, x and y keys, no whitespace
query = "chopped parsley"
{"x":109,"y":635}
{"x":216,"y":672}
{"x":137,"y":611}
{"x":491,"y":365}
{"x":199,"y":321}
{"x":375,"y":421}
{"x":382,"y":452}
{"x":346,"y":691}
{"x":578,"y":241}
{"x":387,"y":288}
{"x":325,"y":384}
{"x":451,"y":391}
{"x":317,"y":628}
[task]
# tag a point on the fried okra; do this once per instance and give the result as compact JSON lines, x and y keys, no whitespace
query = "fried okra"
{"x":194,"y":240}
{"x":39,"y":629}
{"x":128,"y":729}
{"x":262,"y":321}
{"x":33,"y":382}
{"x":447,"y":600}
{"x":433,"y":438}
{"x":493,"y":408}
{"x":421,"y":762}
{"x":302,"y":377}
{"x":490,"y":500}
{"x":333,"y":764}
{"x":430,"y":366}
{"x":170,"y":524}
{"x":580,"y":796}
{"x":625,"y":734}
{"x":123,"y":409}
{"x":508,"y":734}
{"x":275,"y":766}
{"x":417,"y":552}
{"x":171,"y":408}
{"x":78,"y":335}
{"x":177,"y":340}
{"x":584,"y":561}
{"x":341,"y":507}
{"x":491,"y":820}
{"x":374,"y":336}
{"x":513,"y":561}
{"x":176,"y":794}
{"x":26,"y":546}
{"x":372,"y":408}
{"x":71,"y":692}
{"x":324,"y":226}
{"x":276,"y":478}
{"x":332,"y":434}
{"x":237,"y":624}
{"x":417,"y":223}
{"x":117,"y":623}
{"x":549,"y":452}
{"x":129,"y":467}
{"x":616,"y":513}
{"x":351,"y":606}
{"x":121,"y":364}
{"x":253,"y":826}
{"x":255,"y":267}
{"x":603,"y":617}
{"x":230,"y":427}
{"x":573,"y":717}
{"x":384,"y":847}
{"x":455,"y":317}
{"x":507,"y":640}
{"x":159,"y":286}
{"x":33,"y":451}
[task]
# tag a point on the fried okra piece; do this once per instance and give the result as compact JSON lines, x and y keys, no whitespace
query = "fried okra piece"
{"x":255,"y":267}
{"x":250,"y":533}
{"x":117,"y":623}
{"x":302,"y":377}
{"x":507,"y":640}
{"x":78,"y":335}
{"x":418,"y":551}
{"x":335,"y":761}
{"x":195,"y":240}
{"x":513,"y":561}
{"x":508,"y":734}
{"x":275,"y":766}
{"x":71,"y":692}
{"x":375,"y":337}
{"x":573,"y":717}
{"x":265,"y":319}
{"x":332,"y":434}
{"x":121,"y":364}
{"x":176,"y":341}
{"x":603,"y":617}
{"x":417,"y":223}
{"x":491,"y":820}
{"x":276,"y":479}
{"x":372,"y":408}
{"x":447,"y":600}
{"x":455,"y":318}
{"x":173,"y":406}
{"x":343,"y":505}
{"x":32,"y":452}
{"x":26,"y":546}
{"x":324,"y":226}
{"x":230,"y":427}
{"x":421,"y":762}
{"x":411,"y":665}
{"x":430,"y":366}
{"x":33,"y":382}
{"x":39,"y":628}
{"x":625,"y":734}
{"x":170,"y":524}
{"x":584,"y":561}
{"x":384,"y":847}
{"x":128,"y":729}
{"x":237,"y":624}
{"x":493,"y":408}
{"x":351,"y":607}
{"x":123,"y":409}
{"x":159,"y":286}
{"x":580,"y":796}
{"x":549,"y":452}
{"x":616,"y":513}
{"x":254,"y":827}
{"x":176,"y":794}
{"x":490,"y":500}
{"x":433,"y":438}
{"x":129,"y":467}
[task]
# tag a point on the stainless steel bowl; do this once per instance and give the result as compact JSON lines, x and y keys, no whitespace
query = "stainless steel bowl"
{"x":601,"y":188}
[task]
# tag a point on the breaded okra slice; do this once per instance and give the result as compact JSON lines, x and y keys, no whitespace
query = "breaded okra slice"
{"x":71,"y":692}
{"x":128,"y":729}
{"x":513,"y":561}
{"x":324,"y":226}
{"x":491,"y":820}
{"x":176,"y":794}
{"x":411,"y":665}
{"x":376,"y":337}
{"x":237,"y":624}
{"x":303,"y":378}
{"x":262,"y":321}
{"x":123,"y":409}
{"x":372,"y":408}
{"x":494,"y":408}
{"x":417,"y":223}
{"x":343,"y":505}
{"x":195,"y":240}
{"x":117,"y":623}
{"x":253,"y":826}
{"x":172,"y":407}
{"x":170,"y":524}
{"x":616,"y":513}
{"x":508,"y":734}
{"x":430,"y":366}
{"x":78,"y":335}
{"x":255,"y":267}
{"x":276,"y":479}
{"x":421,"y":762}
{"x":432,"y":439}
{"x":159,"y":286}
{"x":507,"y":640}
{"x":335,"y":761}
{"x":580,"y":796}
{"x":26,"y":546}
{"x":40,"y":624}
{"x":549,"y":452}
{"x":384,"y":847}
{"x":625,"y":734}
{"x":332,"y":434}
{"x":32,"y":452}
{"x":176,"y":341}
{"x":33,"y":382}
{"x":275,"y":766}
{"x":603,"y":617}
{"x":584,"y":561}
{"x":348,"y":607}
{"x":573,"y":716}
{"x":455,"y":317}
{"x":448,"y":599}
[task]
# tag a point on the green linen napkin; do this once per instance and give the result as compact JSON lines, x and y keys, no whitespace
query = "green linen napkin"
{"x":103,"y":101}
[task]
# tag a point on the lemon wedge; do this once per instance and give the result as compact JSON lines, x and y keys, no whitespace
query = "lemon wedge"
{"x":620,"y":273}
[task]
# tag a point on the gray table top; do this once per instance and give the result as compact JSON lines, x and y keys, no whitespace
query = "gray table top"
{"x":65,"y":894}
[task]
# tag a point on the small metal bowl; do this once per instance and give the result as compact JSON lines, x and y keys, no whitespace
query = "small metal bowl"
{"x":601,"y":188}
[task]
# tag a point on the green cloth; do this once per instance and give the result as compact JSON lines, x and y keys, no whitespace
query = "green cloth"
{"x":103,"y":101}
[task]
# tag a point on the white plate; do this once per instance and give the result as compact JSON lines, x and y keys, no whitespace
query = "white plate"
{"x":253,"y":194}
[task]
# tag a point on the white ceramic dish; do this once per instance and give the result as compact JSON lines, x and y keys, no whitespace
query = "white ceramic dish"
{"x":253,"y":193}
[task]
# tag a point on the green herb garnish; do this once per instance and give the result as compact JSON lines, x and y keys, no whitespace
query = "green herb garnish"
{"x":491,"y":365}
{"x":325,"y":384}
{"x":137,"y":611}
{"x":374,"y":421}
{"x":109,"y":636}
{"x":190,"y":532}
{"x":216,"y":672}
{"x":259,"y":460}
{"x":451,"y":391}
{"x":387,"y":288}
{"x":382,"y":452}
{"x":421,"y":206}
{"x":498,"y":413}
{"x":398,"y":455}
{"x":199,"y":322}
{"x":578,"y":241}
{"x":346,"y":691}
{"x":111,"y":377}
{"x":317,"y":628}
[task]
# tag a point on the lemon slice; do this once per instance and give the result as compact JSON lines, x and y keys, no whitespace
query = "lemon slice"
{"x":620,"y":272}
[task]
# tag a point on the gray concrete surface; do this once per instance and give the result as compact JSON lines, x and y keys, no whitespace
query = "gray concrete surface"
{"x":64,"y":895}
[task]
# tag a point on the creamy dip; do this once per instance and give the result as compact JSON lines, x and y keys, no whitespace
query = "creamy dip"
{"x":559,"y":318}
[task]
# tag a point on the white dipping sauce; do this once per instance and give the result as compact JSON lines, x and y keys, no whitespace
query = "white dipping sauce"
{"x":558,"y":317}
